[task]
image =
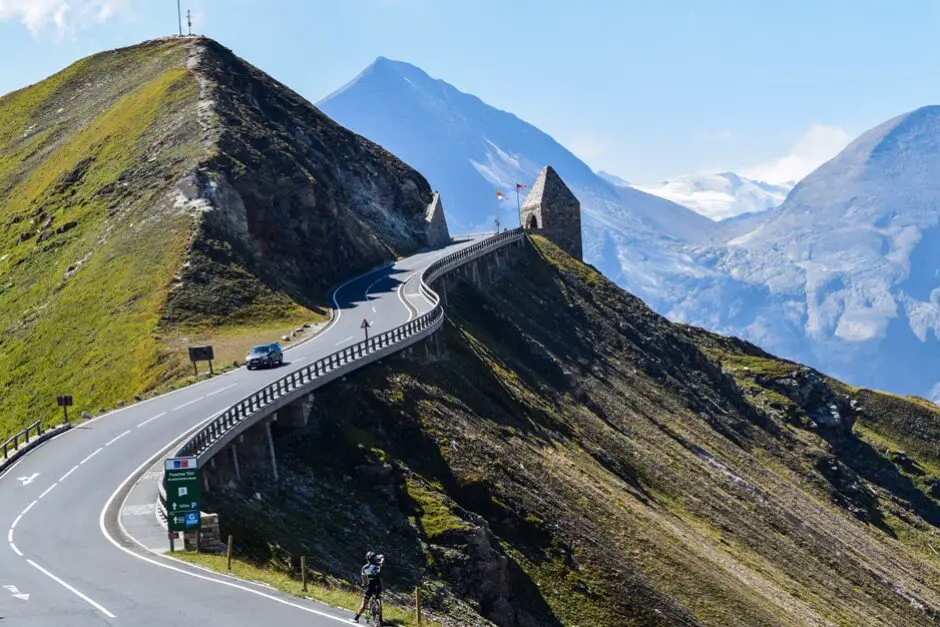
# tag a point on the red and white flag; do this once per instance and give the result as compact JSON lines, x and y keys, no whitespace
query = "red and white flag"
{"x":500,"y":196}
{"x":520,"y":186}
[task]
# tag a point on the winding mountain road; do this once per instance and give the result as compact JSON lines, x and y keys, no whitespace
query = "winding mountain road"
{"x":64,"y":559}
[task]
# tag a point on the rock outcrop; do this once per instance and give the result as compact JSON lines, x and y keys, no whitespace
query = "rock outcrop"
{"x":435,"y":221}
{"x":814,"y":396}
{"x":171,"y":186}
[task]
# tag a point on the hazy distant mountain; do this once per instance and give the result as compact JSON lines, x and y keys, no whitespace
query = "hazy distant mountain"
{"x":720,"y":196}
{"x":467,"y":148}
{"x":844,"y":275}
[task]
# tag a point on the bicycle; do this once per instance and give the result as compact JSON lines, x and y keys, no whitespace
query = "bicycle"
{"x":375,"y":613}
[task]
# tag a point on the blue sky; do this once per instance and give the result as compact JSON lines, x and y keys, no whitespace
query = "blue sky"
{"x":646,"y":90}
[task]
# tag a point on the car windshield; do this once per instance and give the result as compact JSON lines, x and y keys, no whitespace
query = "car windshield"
{"x":260,"y":350}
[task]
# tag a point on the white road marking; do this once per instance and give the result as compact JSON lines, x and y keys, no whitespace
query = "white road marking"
{"x":15,"y":465}
{"x":66,"y":475}
{"x":117,"y":438}
{"x":16,"y":593}
{"x":138,"y":510}
{"x":401,"y":297}
{"x":83,"y":597}
{"x":16,"y":550}
{"x":341,"y":342}
{"x":48,"y":490}
{"x":10,"y":535}
{"x":374,"y":283}
{"x":195,"y":400}
{"x":15,"y":523}
{"x":28,"y":507}
{"x":28,"y":480}
{"x":149,"y":420}
{"x":336,"y":307}
{"x":104,"y":532}
{"x":229,"y":387}
{"x":82,"y":463}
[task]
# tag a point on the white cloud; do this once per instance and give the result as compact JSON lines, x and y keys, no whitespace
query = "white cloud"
{"x":818,"y":145}
{"x":63,"y":15}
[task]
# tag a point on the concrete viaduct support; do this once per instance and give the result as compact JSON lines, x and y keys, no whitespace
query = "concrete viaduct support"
{"x":253,"y":453}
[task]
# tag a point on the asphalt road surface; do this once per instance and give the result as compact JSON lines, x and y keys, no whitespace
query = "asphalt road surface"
{"x":65,"y":561}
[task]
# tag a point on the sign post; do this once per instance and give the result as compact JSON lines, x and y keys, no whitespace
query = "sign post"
{"x":365,"y":327}
{"x":64,"y":401}
{"x":201,"y":353}
{"x":181,"y":480}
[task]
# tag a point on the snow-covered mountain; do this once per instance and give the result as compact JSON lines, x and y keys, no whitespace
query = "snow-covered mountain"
{"x":613,"y":179}
{"x":467,"y":148}
{"x":719,"y":196}
{"x":844,"y":275}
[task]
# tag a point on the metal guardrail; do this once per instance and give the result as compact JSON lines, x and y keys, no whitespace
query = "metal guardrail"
{"x":13,"y":444}
{"x":248,"y":411}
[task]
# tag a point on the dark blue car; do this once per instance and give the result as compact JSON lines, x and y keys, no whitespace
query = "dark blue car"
{"x":266,"y":356}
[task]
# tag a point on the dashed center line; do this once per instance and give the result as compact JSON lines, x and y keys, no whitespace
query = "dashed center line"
{"x":341,"y":342}
{"x":66,"y":475}
{"x":228,"y":387}
{"x":48,"y":490}
{"x":82,"y":463}
{"x":117,"y":438}
{"x":28,"y":507}
{"x":149,"y":420}
{"x":195,"y":400}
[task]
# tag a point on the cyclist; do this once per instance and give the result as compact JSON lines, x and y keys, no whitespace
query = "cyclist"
{"x":372,"y":582}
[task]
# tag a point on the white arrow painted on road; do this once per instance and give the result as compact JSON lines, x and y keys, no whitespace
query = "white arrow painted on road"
{"x":28,"y":480}
{"x":17,"y":594}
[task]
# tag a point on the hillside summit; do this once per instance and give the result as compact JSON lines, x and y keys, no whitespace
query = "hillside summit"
{"x":167,"y":191}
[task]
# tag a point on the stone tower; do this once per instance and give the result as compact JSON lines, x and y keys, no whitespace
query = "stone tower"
{"x":435,"y":224}
{"x":552,"y":209}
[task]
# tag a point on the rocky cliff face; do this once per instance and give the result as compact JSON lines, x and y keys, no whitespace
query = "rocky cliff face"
{"x":168,"y":190}
{"x":300,"y":201}
{"x":573,"y":458}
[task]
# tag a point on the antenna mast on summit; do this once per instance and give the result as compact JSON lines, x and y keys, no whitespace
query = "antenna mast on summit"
{"x":179,"y":16}
{"x":189,"y":21}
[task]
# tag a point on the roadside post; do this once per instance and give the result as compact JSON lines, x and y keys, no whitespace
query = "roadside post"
{"x":365,"y":327}
{"x":64,"y":401}
{"x":201,"y":353}
{"x":181,"y":481}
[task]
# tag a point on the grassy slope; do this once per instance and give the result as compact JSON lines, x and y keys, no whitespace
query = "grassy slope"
{"x":91,"y":242}
{"x":78,"y":309}
{"x":629,"y":471}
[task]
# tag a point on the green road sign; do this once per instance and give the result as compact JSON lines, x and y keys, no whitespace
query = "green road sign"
{"x":181,"y":480}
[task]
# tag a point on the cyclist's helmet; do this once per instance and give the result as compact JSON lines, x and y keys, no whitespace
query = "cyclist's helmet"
{"x":370,"y":557}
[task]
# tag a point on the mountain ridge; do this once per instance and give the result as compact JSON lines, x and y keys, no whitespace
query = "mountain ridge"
{"x":164,"y":193}
{"x":751,"y":275}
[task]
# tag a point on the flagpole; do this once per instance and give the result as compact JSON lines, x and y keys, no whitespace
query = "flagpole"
{"x":497,"y":208}
{"x":518,"y":204}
